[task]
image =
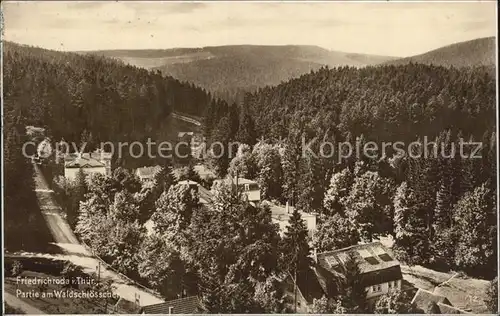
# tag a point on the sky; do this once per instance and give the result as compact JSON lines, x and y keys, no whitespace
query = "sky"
{"x":382,"y":28}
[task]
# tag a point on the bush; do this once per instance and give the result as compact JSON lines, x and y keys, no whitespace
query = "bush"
{"x":17,"y":268}
{"x":71,"y":272}
{"x":207,"y":182}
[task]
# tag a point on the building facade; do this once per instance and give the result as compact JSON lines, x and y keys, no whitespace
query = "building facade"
{"x":281,"y":216}
{"x":90,"y":163}
{"x":380,"y":271}
{"x":147,"y":174}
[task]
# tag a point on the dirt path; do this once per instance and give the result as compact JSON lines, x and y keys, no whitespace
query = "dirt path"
{"x":16,"y":302}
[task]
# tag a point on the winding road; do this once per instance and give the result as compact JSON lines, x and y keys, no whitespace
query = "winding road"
{"x":186,"y":118}
{"x":75,"y":252}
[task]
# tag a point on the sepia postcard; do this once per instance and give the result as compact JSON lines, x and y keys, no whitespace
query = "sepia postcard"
{"x":249,"y":157}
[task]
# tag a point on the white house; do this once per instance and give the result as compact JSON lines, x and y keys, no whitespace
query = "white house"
{"x":246,"y":187}
{"x":250,"y":188}
{"x":86,"y":163}
{"x":281,"y":216}
{"x":146,"y":174}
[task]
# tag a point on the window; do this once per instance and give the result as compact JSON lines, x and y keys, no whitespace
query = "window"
{"x":393,"y":284}
{"x":376,"y":288}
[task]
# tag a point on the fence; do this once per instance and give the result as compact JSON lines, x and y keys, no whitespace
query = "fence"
{"x":121,"y":275}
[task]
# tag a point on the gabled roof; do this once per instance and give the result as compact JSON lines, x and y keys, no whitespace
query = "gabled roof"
{"x":232,"y":180}
{"x":185,"y":305}
{"x":376,"y":262}
{"x":310,"y":286}
{"x":371,"y":257}
{"x":245,"y":181}
{"x":448,"y":309}
{"x":147,"y":171}
{"x":188,"y":182}
{"x":84,"y":162}
{"x":423,"y":298}
{"x":182,"y":134}
{"x":97,"y":155}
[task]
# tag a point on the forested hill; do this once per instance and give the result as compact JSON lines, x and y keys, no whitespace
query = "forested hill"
{"x":440,"y":207}
{"x":73,"y":95}
{"x":478,"y":52}
{"x":384,"y":103}
{"x":227,"y":68}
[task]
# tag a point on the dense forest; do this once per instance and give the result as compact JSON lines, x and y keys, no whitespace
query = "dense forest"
{"x":477,"y":52}
{"x":441,"y":209}
{"x":78,"y":98}
{"x":75,"y":95}
{"x":385,"y":103}
{"x":230,"y":67}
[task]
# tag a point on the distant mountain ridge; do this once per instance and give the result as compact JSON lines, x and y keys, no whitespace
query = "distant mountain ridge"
{"x":235,"y":68}
{"x":241,"y":66}
{"x":477,"y":52}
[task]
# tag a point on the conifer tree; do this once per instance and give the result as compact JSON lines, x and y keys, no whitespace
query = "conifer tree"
{"x":411,"y":242}
{"x":173,"y":211}
{"x":444,"y":206}
{"x":247,"y":133}
{"x":234,"y":119}
{"x":290,"y":160}
{"x":475,"y":223}
{"x":161,"y":266}
{"x":270,"y":172}
{"x":339,"y":188}
{"x":294,"y":246}
{"x":352,"y":291}
{"x":219,"y":157}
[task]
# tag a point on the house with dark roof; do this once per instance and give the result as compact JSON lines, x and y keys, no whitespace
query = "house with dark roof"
{"x":380,"y":271}
{"x":299,"y":295}
{"x":427,"y":302}
{"x":185,"y":305}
